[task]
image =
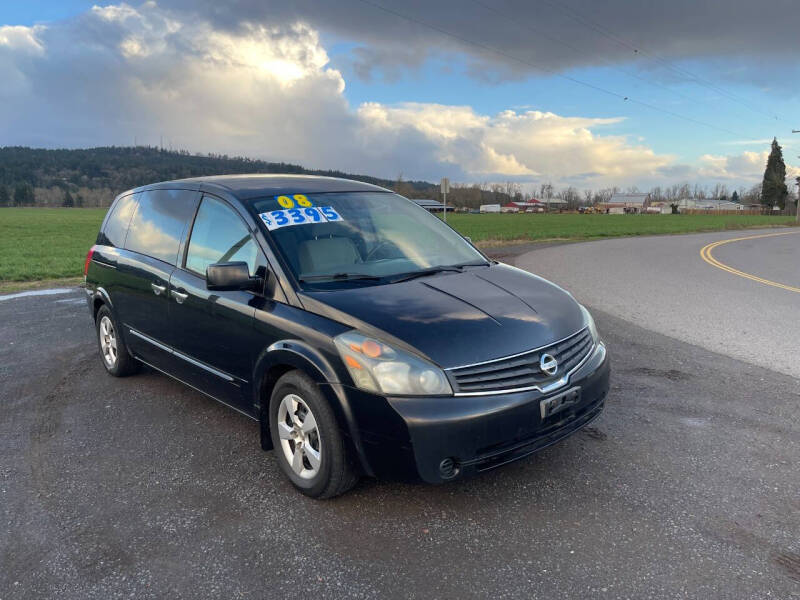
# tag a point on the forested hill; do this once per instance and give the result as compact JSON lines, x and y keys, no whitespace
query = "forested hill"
{"x":97,"y":174}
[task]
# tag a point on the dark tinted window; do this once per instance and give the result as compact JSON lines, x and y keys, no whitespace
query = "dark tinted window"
{"x":220,"y":235}
{"x":116,"y":228}
{"x":159,"y":222}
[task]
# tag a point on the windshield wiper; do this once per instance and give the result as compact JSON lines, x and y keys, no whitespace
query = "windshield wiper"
{"x":424,"y":272}
{"x":339,"y":277}
{"x":438,"y":269}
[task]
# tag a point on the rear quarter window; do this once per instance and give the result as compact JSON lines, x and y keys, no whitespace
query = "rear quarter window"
{"x":116,"y":227}
{"x":159,"y":222}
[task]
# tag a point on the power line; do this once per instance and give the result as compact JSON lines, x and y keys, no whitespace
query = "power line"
{"x":546,"y":69}
{"x":576,"y":16}
{"x":558,"y":40}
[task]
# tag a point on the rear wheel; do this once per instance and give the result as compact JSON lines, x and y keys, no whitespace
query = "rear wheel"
{"x":308,"y":444}
{"x":116,"y":358}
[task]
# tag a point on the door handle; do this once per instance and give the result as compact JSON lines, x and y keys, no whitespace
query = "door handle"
{"x":179,"y":296}
{"x":158,"y":289}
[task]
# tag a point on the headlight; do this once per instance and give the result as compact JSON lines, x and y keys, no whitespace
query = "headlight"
{"x":377,"y":367}
{"x":589,"y":320}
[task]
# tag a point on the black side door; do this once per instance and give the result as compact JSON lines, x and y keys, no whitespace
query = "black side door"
{"x":144,"y":268}
{"x":212,"y":332}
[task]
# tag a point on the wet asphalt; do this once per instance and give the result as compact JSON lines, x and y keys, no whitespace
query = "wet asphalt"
{"x":688,"y":486}
{"x":663,"y":284}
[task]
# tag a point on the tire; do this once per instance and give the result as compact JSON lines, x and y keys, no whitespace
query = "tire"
{"x":113,"y":352}
{"x":314,"y":456}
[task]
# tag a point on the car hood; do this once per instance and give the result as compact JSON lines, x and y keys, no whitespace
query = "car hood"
{"x":457,"y":318}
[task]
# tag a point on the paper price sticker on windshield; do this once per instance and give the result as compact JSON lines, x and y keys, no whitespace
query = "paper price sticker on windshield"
{"x":275,"y":219}
{"x":297,"y":200}
{"x":330,"y":213}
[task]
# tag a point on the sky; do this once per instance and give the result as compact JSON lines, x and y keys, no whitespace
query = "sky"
{"x":574,"y":92}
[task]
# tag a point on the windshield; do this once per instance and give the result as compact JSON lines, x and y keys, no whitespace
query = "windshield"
{"x":359,"y":238}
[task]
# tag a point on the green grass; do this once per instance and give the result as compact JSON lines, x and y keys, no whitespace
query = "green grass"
{"x":46,"y":243}
{"x":492,"y":228}
{"x":51,"y":243}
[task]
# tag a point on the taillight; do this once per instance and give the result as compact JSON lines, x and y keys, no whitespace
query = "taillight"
{"x":88,"y":258}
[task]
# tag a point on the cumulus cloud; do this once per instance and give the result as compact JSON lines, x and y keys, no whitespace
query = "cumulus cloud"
{"x":530,"y":143}
{"x":117,"y":73}
{"x":744,"y":166}
{"x":266,"y":89}
{"x":20,"y":38}
{"x":553,"y":35}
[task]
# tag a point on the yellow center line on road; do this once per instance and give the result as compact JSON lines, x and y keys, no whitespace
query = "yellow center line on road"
{"x":706,"y":255}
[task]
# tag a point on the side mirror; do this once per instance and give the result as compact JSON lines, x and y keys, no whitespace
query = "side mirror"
{"x":230,"y":276}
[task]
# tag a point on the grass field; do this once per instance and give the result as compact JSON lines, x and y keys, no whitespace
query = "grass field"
{"x":46,"y":243}
{"x":51,"y":243}
{"x":494,"y":228}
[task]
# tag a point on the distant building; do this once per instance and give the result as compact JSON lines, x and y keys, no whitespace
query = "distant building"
{"x":714,"y":204}
{"x":431,"y":205}
{"x":490,"y":208}
{"x":535,"y":205}
{"x":553,"y":203}
{"x":626,"y":203}
{"x":529,"y":206}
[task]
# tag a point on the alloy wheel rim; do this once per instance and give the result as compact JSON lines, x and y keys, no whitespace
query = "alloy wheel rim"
{"x":299,"y":435}
{"x":108,"y":341}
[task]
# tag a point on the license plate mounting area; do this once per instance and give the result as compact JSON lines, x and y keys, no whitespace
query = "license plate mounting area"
{"x":555,"y":404}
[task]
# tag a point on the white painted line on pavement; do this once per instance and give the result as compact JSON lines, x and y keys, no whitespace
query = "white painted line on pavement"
{"x":38,"y":293}
{"x":71,"y":301}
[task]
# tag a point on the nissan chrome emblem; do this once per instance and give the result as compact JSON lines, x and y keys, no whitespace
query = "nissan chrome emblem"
{"x":548,"y":364}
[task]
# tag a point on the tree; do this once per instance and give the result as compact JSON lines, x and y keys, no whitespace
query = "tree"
{"x":656,"y":194}
{"x":720,"y":192}
{"x":797,"y":198}
{"x":571,"y":197}
{"x":23,"y":194}
{"x":773,"y":188}
{"x":699,"y":191}
{"x":5,"y":197}
{"x":735,"y":197}
{"x":403,"y":188}
{"x":68,"y":201}
{"x":752,"y":195}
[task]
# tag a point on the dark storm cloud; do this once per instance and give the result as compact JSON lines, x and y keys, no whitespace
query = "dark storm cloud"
{"x":551,"y":34}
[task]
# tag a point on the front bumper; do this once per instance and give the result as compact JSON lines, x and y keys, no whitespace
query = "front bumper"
{"x":440,"y":439}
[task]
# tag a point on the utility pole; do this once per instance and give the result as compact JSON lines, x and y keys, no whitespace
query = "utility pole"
{"x":797,"y":204}
{"x":445,"y":190}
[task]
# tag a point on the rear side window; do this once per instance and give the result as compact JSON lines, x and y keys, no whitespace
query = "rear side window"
{"x":219,"y":235}
{"x":159,"y":223}
{"x":116,"y":228}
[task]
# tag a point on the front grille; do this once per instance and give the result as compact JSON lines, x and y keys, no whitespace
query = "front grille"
{"x":522,"y":370}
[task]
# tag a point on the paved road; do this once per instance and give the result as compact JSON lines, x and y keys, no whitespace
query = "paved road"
{"x":686,"y":487}
{"x":663,"y":284}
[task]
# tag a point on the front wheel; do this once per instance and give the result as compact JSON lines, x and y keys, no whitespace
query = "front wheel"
{"x":308,"y":445}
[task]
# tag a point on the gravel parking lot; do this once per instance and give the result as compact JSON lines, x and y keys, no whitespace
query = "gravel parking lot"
{"x":687,"y":486}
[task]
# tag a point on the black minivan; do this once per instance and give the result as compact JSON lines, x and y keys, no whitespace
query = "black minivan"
{"x":362,"y":333}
